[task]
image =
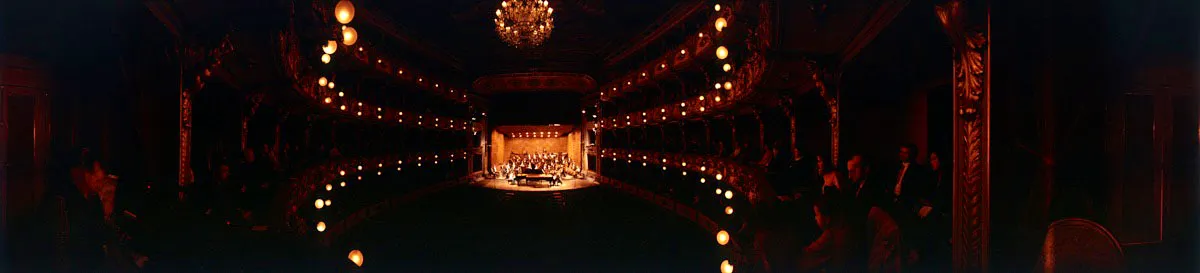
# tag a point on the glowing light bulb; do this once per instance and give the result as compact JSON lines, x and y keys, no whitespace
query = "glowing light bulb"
{"x":728,"y":210}
{"x":722,"y":237}
{"x":328,"y":187}
{"x":344,"y":11}
{"x":720,"y":24}
{"x":325,"y":58}
{"x":719,"y":177}
{"x":321,"y":226}
{"x":728,"y":194}
{"x":330,"y":47}
{"x":350,"y":36}
{"x":727,"y":67}
{"x":728,"y":86}
{"x":322,"y":81}
{"x":719,"y":191}
{"x":357,"y":257}
{"x":319,"y":203}
{"x":328,"y":202}
{"x":726,"y":267}
{"x":722,"y":52}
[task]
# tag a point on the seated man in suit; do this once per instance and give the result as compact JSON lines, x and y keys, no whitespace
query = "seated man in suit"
{"x":840,"y":248}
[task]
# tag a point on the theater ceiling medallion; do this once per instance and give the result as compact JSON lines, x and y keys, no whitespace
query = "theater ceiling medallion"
{"x":524,"y":23}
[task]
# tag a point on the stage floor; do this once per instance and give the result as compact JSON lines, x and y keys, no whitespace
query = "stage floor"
{"x":567,"y":184}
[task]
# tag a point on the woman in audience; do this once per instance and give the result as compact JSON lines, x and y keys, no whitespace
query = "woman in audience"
{"x":935,"y":216}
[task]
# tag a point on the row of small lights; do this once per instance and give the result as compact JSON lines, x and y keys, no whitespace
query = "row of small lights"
{"x":358,"y":172}
{"x":535,"y":134}
{"x":723,"y":237}
{"x":700,"y":104}
{"x":344,"y":13}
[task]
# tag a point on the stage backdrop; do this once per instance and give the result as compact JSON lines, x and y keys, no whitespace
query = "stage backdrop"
{"x":562,"y":139}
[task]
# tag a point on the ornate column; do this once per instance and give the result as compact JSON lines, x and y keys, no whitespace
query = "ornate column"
{"x":788,"y":103}
{"x":827,"y":80}
{"x":969,"y":39}
{"x":199,"y":63}
{"x":762,"y":130}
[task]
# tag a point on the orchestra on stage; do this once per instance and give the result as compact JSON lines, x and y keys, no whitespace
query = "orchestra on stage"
{"x":530,"y":168}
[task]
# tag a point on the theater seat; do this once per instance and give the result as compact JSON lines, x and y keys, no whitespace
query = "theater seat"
{"x":1079,"y":245}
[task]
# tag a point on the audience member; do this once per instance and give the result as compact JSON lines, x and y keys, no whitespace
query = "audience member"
{"x":910,"y":183}
{"x":840,"y":248}
{"x":83,"y":235}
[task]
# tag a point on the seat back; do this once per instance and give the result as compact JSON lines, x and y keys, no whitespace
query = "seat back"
{"x":885,"y":242}
{"x":1080,"y":245}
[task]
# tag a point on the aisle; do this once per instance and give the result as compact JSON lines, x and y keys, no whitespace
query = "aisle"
{"x":470,"y":229}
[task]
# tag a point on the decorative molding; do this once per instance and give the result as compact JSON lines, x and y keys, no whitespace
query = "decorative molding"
{"x":827,"y":81}
{"x":789,"y":104}
{"x":537,"y":81}
{"x":199,"y":63}
{"x":679,"y":13}
{"x":664,"y":66}
{"x":306,"y":184}
{"x":971,"y":166}
{"x":743,"y":82}
{"x":297,"y":68}
{"x":373,"y":58}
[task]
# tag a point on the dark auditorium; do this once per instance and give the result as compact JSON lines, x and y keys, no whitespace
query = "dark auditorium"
{"x":589,"y":136}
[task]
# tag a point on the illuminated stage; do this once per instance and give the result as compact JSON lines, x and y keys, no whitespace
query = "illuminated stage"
{"x":567,"y":184}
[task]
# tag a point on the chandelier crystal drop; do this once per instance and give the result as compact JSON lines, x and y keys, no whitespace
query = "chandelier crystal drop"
{"x":524,"y":23}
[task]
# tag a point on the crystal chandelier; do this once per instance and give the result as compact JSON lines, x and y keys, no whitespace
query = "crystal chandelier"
{"x":524,"y":23}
